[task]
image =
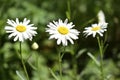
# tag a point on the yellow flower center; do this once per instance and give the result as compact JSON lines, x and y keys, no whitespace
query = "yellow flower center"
{"x":96,"y":28}
{"x":21,"y":28}
{"x":63,"y":30}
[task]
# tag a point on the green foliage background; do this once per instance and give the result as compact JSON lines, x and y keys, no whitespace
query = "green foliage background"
{"x":77,"y":65}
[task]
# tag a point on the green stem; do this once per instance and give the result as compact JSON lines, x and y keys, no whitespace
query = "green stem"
{"x":23,"y":64}
{"x":69,"y":10}
{"x":60,"y":66}
{"x":37,"y":64}
{"x":101,"y":58}
{"x":75,"y":69}
{"x":61,"y":54}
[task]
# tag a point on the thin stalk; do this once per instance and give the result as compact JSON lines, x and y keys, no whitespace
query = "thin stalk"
{"x":60,"y":55}
{"x":37,"y":64}
{"x":75,"y":69}
{"x":69,"y":10}
{"x":101,"y":58}
{"x":63,"y":52}
{"x":60,"y":66}
{"x":23,"y":64}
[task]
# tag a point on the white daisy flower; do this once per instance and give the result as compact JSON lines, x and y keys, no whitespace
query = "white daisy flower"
{"x":96,"y":28}
{"x":62,"y":31}
{"x":20,"y":30}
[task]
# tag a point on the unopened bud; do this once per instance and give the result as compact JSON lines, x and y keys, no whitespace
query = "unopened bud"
{"x":35,"y":46}
{"x":101,"y":17}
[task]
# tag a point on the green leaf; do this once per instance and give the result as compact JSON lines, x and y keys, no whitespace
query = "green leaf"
{"x":93,"y":58}
{"x":53,"y":74}
{"x":19,"y":75}
{"x":81,"y":52}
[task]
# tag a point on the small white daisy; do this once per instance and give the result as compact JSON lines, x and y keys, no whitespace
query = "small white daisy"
{"x":96,"y":28}
{"x":20,"y":30}
{"x":62,"y":31}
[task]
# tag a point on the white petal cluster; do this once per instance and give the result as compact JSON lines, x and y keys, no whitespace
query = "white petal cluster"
{"x":95,"y":28}
{"x":27,"y":33}
{"x":62,"y":31}
{"x":98,"y":28}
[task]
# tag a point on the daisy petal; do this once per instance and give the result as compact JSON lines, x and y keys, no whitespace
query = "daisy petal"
{"x":62,"y":31}
{"x":20,"y":30}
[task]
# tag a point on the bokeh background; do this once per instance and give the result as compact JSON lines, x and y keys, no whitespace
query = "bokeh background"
{"x":77,"y":65}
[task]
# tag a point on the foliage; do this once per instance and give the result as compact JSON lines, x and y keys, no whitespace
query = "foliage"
{"x":77,"y":65}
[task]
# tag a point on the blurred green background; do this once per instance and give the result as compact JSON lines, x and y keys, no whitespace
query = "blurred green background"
{"x":77,"y":65}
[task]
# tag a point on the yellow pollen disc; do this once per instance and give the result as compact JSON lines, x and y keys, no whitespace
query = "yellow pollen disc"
{"x":96,"y":28}
{"x":21,"y":28}
{"x":63,"y":30}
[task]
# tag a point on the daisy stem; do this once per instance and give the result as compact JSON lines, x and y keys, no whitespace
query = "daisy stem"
{"x":101,"y":58}
{"x":60,"y":66}
{"x":23,"y":64}
{"x":60,"y":55}
{"x":69,"y":10}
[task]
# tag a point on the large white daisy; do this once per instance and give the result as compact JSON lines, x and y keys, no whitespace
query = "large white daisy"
{"x":20,"y":30}
{"x":62,"y":31}
{"x":99,"y":28}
